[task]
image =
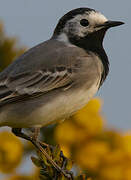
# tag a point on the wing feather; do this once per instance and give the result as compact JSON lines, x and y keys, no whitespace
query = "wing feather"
{"x":48,"y":66}
{"x":29,"y":85}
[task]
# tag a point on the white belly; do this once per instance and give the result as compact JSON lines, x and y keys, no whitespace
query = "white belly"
{"x":64,"y":106}
{"x":60,"y":108}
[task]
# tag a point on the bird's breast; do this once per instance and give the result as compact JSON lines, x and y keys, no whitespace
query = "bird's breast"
{"x":62,"y":106}
{"x":65,"y":104}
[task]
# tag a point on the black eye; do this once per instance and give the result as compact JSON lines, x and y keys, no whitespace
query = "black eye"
{"x":84,"y":22}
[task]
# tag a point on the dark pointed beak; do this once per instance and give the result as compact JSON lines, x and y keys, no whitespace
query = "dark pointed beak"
{"x":109,"y":24}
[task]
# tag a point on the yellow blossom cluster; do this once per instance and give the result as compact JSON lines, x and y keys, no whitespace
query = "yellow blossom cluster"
{"x":105,"y":154}
{"x":11,"y":150}
{"x":11,"y":154}
{"x":25,"y":177}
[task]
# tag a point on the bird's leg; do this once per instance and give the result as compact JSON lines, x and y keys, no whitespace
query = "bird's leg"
{"x":36,"y":132}
{"x":18,"y":132}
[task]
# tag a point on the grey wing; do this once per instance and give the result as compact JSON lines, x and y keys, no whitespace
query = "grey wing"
{"x":39,"y":82}
{"x":40,"y":70}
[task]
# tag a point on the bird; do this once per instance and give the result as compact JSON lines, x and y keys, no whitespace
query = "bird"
{"x":53,"y":80}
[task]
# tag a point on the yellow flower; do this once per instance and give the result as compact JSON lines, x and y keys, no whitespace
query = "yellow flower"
{"x":112,"y":173}
{"x":127,"y":173}
{"x":93,"y":106}
{"x":18,"y":177}
{"x":115,"y":157}
{"x":127,"y":143}
{"x":69,"y":134}
{"x":66,"y":133}
{"x":91,"y":155}
{"x":10,"y":152}
{"x":105,"y":154}
{"x":114,"y":138}
{"x":89,"y":117}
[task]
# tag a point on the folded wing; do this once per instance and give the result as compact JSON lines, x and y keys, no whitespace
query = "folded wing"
{"x":40,"y":82}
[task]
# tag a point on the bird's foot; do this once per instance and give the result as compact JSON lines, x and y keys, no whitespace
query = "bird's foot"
{"x":40,"y":146}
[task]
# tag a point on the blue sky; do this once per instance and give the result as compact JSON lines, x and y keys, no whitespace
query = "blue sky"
{"x":34,"y":21}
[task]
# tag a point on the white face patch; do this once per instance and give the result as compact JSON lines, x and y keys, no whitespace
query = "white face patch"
{"x":96,"y":18}
{"x":73,"y":26}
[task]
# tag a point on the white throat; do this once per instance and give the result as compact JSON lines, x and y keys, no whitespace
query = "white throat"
{"x":63,"y":38}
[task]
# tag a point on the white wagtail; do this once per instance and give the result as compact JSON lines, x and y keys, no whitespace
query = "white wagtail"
{"x":54,"y":79}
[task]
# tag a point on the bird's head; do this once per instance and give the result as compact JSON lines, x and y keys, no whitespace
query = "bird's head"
{"x":83,"y":27}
